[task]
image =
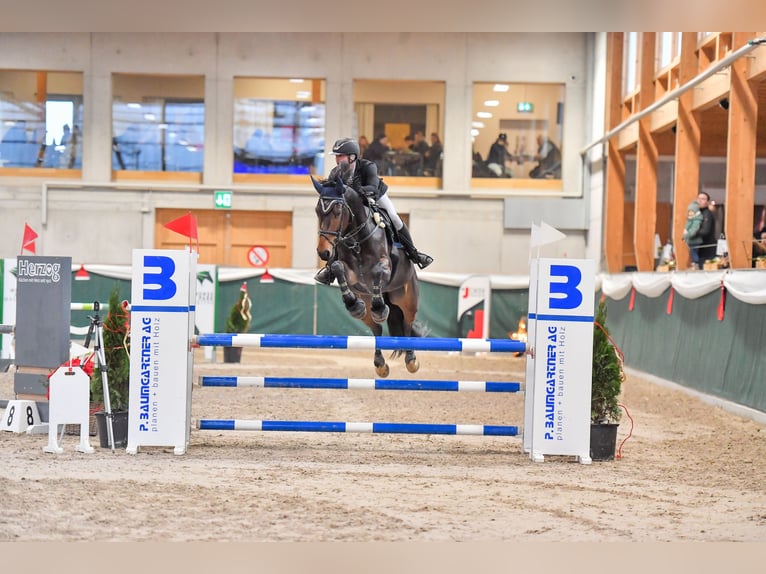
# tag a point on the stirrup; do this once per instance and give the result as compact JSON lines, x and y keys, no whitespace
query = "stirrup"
{"x":424,"y":260}
{"x":324,"y":276}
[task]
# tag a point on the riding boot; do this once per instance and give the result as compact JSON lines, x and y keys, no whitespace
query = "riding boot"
{"x":324,"y":276}
{"x":421,"y":259}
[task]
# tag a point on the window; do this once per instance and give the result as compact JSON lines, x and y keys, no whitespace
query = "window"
{"x":158,"y":123}
{"x":279,"y":126}
{"x":399,"y":125}
{"x":630,"y":64}
{"x":517,"y":130}
{"x":40,"y":119}
{"x":669,"y":48}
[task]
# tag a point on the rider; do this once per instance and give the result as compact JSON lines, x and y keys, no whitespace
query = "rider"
{"x":363,"y":176}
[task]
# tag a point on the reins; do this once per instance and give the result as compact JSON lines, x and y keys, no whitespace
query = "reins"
{"x":349,"y":239}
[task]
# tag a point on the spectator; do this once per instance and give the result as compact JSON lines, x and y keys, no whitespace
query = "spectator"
{"x":364,"y":143}
{"x":432,"y":157}
{"x":376,"y":152}
{"x":419,"y":144}
{"x":548,"y":159}
{"x":691,"y":232}
{"x":707,"y":247}
{"x":498,"y":155}
{"x":759,"y":244}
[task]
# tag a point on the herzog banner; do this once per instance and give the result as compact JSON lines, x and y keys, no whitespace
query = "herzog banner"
{"x":563,"y":352}
{"x":161,"y":325}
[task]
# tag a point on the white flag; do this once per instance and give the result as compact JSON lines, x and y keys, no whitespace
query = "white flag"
{"x":544,"y":234}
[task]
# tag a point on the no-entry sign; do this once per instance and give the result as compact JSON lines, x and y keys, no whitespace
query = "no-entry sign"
{"x":258,"y":256}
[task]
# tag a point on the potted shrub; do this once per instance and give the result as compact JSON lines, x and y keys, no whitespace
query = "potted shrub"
{"x":238,"y":321}
{"x":116,"y":344}
{"x":606,"y":385}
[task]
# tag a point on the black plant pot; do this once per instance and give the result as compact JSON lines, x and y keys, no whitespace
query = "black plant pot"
{"x":603,"y":441}
{"x":232,"y":354}
{"x":119,"y":428}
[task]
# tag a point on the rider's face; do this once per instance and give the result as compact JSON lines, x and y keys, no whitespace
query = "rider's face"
{"x":340,"y":158}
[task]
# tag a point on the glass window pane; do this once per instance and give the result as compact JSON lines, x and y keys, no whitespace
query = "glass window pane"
{"x":40,"y":119}
{"x":158,"y":123}
{"x":279,"y":125}
{"x":517,"y":130}
{"x":399,"y":125}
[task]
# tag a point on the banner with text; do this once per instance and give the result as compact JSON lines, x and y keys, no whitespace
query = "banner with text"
{"x":563,"y":351}
{"x":163,"y":299}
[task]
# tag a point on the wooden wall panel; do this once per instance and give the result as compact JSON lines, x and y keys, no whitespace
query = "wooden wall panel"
{"x":225,"y":237}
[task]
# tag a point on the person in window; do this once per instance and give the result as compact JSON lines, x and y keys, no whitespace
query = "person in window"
{"x":378,"y":152}
{"x":548,"y":159}
{"x":433,"y":156}
{"x":498,"y":155}
{"x":364,"y":143}
{"x":759,"y":244}
{"x":362,"y":176}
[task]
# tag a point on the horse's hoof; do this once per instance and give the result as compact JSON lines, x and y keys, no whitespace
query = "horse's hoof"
{"x":383,"y":370}
{"x":380,"y":316}
{"x":413,"y":366}
{"x":358,"y":309}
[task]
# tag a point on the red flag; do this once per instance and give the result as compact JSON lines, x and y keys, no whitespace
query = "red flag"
{"x":669,"y":309}
{"x":28,"y":242}
{"x":722,"y":303}
{"x":632,"y":299}
{"x":185,"y":225}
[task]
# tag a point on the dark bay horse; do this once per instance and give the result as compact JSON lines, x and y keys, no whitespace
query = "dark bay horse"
{"x":377,"y":281}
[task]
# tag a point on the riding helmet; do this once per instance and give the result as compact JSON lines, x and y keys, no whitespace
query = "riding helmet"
{"x":346,"y":146}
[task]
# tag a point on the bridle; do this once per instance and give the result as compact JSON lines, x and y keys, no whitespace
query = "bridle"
{"x":351,"y":239}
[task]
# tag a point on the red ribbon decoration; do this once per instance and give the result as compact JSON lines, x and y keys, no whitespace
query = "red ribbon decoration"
{"x":722,"y":302}
{"x":669,"y":309}
{"x":632,"y":299}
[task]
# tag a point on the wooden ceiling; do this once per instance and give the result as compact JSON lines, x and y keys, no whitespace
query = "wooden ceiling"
{"x":714,"y":126}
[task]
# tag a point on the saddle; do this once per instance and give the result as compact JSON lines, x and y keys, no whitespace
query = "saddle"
{"x":380,"y":215}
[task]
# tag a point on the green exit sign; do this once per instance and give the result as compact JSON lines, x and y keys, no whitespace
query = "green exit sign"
{"x":223,"y":199}
{"x":525,"y":107}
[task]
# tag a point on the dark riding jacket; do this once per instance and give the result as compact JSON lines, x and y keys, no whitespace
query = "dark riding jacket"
{"x":365,"y":180}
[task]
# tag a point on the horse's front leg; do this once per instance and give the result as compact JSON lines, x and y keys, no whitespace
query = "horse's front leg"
{"x":355,"y":306}
{"x":381,"y":273}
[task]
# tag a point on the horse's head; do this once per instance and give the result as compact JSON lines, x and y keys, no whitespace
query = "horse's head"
{"x":333,"y":214}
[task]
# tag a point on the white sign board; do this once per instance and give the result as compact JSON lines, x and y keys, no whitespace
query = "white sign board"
{"x":563,"y":356}
{"x":163,"y":299}
{"x":473,"y":304}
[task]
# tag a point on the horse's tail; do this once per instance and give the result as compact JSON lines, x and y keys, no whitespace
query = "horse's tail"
{"x":420,"y":329}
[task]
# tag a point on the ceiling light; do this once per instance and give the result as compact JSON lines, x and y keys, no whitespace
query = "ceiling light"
{"x":296,"y":80}
{"x":500,"y":88}
{"x":302,"y":95}
{"x":483,"y":115}
{"x":134,"y":105}
{"x":477,"y":124}
{"x":474,"y":132}
{"x":492,"y":103}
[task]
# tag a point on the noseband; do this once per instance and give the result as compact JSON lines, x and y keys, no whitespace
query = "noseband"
{"x":350,"y":240}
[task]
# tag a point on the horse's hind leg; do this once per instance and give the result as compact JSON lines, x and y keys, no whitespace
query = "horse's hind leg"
{"x":399,"y":328}
{"x":411,"y":361}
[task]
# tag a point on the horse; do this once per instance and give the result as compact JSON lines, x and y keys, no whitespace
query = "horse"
{"x":378,"y":282}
